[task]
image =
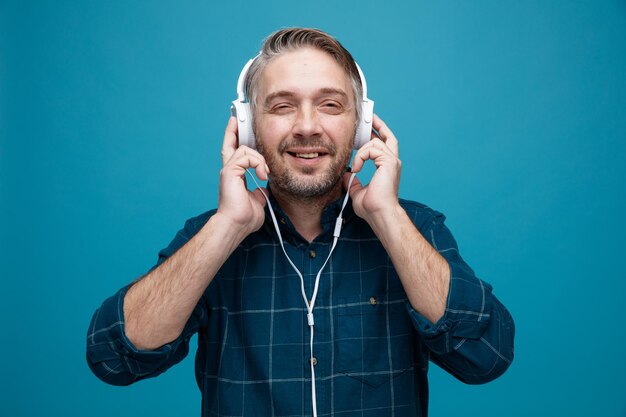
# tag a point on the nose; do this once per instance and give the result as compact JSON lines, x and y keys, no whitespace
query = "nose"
{"x":307,"y":123}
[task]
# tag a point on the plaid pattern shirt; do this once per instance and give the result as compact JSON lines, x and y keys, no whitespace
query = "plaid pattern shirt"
{"x":371,"y":348}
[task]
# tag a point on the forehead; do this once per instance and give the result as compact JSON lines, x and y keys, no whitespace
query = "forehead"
{"x":302,"y":72}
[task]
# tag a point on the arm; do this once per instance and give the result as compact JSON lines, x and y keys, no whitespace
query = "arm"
{"x":157,"y":307}
{"x":152,"y":314}
{"x":424,"y":273}
{"x":474,"y":339}
{"x":466,"y":328}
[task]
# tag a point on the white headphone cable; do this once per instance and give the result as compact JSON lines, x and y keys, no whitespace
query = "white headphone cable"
{"x":309,"y":304}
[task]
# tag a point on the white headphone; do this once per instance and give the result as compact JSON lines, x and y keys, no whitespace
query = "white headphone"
{"x":241,"y":110}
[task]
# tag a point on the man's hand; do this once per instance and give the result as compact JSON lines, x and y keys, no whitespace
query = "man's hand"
{"x":381,"y":194}
{"x":243,"y":208}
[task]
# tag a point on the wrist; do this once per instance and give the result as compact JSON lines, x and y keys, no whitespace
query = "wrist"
{"x":386,"y":217}
{"x":223,"y":223}
{"x":390,"y":224}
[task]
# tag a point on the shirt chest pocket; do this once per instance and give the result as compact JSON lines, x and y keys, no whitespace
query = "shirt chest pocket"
{"x":373,"y":338}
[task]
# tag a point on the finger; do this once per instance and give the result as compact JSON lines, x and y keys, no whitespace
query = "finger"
{"x":361,"y":156}
{"x":261,"y":169}
{"x":386,"y":134}
{"x":358,"y":161}
{"x":373,"y":150}
{"x":229,"y":145}
{"x":380,"y":126}
{"x":245,"y":158}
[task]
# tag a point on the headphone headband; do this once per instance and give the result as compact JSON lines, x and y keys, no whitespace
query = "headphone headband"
{"x":242,"y":78}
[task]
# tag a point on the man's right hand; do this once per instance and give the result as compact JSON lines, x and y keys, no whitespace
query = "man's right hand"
{"x":244,"y":209}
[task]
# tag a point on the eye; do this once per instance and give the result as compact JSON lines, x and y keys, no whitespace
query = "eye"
{"x":331,"y":106}
{"x":281,"y":108}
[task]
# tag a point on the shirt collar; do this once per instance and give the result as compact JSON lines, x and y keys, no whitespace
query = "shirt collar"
{"x":289,"y":232}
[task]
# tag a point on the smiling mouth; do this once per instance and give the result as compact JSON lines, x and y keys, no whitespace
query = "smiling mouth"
{"x":310,"y":155}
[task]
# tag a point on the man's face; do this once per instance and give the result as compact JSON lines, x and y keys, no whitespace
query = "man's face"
{"x":305,"y":122}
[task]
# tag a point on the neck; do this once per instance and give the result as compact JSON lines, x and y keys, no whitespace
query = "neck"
{"x":306,"y":213}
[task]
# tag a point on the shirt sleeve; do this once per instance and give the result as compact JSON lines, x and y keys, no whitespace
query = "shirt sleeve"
{"x":112,"y":356}
{"x":474,"y":339}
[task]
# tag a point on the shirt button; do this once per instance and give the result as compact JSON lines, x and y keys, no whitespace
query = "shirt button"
{"x":312,"y":254}
{"x":373,"y":301}
{"x":314,"y":360}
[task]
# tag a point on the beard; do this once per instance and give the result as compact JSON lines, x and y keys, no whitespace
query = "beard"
{"x":303,"y":183}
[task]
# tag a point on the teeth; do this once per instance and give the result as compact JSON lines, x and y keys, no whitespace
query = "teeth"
{"x":308,"y":155}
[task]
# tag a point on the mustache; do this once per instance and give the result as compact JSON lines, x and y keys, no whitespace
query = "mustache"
{"x":329,"y":147}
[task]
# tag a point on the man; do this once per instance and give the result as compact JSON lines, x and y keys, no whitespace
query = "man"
{"x":348,"y":335}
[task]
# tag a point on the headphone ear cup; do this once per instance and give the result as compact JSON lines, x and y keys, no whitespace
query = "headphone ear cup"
{"x":245,"y":133}
{"x":364,"y":130}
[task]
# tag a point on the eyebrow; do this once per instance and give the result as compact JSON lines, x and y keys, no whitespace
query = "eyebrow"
{"x":334,"y":91}
{"x":278,"y":94}
{"x":289,"y":94}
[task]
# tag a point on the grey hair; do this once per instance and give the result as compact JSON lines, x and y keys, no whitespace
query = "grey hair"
{"x":290,"y":39}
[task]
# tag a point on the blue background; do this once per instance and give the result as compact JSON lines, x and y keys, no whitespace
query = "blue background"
{"x":512,"y":121}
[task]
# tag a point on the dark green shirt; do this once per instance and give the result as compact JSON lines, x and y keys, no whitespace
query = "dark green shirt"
{"x":372,"y":349}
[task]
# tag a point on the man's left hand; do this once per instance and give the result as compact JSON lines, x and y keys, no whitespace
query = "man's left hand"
{"x":381,"y":194}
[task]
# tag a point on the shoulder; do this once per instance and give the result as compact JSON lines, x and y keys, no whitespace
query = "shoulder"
{"x":422,"y":216}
